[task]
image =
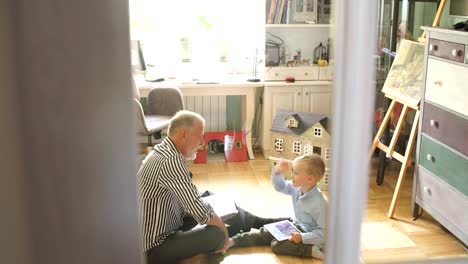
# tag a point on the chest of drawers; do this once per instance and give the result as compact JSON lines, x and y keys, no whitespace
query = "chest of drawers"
{"x":441,"y":176}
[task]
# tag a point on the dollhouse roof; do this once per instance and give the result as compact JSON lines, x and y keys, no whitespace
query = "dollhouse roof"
{"x":308,"y":119}
{"x":295,"y":116}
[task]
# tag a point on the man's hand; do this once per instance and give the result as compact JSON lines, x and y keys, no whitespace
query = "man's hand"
{"x":216,"y":221}
{"x":296,"y":237}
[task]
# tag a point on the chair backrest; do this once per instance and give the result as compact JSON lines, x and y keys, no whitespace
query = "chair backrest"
{"x":164,"y":101}
{"x":135,"y":91}
{"x":140,"y":118}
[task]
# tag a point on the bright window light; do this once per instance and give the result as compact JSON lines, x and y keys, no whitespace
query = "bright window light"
{"x":199,"y":38}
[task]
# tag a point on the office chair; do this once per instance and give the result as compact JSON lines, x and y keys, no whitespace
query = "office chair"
{"x":162,"y":104}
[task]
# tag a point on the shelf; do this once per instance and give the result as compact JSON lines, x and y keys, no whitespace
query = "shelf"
{"x":296,"y":83}
{"x":298,"y":25}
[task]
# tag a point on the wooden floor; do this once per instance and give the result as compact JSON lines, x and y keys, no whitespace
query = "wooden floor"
{"x":382,"y":240}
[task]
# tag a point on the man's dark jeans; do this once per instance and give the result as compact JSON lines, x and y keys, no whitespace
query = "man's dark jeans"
{"x":187,"y":243}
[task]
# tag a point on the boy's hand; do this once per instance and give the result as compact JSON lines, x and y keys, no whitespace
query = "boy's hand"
{"x":296,"y":237}
{"x":282,"y":166}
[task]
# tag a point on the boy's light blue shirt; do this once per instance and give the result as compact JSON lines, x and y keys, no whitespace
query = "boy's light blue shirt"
{"x":309,"y":209}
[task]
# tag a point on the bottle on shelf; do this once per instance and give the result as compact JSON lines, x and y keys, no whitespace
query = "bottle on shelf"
{"x":286,"y":56}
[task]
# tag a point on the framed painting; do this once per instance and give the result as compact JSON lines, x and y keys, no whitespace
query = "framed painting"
{"x":405,"y":78}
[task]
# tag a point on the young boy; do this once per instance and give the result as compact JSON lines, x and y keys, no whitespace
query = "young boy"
{"x":309,"y":209}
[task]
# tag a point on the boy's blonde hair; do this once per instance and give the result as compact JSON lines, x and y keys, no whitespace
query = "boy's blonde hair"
{"x":313,"y":164}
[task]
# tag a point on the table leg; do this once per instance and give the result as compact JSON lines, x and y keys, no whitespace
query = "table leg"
{"x":248,"y":110}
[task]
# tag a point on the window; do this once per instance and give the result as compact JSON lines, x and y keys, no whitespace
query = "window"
{"x":291,"y":123}
{"x":279,"y":144}
{"x":326,"y":176}
{"x":199,"y":39}
{"x":296,"y":147}
{"x":238,"y":144}
{"x":327,"y":153}
{"x":317,"y":150}
{"x":307,"y":149}
{"x":317,"y":131}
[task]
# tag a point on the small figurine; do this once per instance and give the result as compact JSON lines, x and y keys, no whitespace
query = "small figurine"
{"x":296,"y":60}
{"x":305,"y":61}
{"x":297,"y":57}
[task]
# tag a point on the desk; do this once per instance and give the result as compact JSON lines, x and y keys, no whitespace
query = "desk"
{"x":246,"y":90}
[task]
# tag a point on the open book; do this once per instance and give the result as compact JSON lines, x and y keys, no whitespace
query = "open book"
{"x":223,"y":206}
{"x":281,"y":230}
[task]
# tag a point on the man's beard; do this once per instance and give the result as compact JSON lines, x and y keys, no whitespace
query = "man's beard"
{"x":192,"y":155}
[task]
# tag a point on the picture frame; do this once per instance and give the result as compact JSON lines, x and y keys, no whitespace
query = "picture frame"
{"x":405,"y":78}
{"x":304,"y":11}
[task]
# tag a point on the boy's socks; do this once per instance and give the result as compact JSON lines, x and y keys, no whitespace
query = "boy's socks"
{"x":231,"y":243}
{"x":317,"y":253}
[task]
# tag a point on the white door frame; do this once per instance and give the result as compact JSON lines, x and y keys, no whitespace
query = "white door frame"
{"x":353,"y":99}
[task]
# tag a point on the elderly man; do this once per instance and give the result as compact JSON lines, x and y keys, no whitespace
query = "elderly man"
{"x":168,"y":195}
{"x":171,"y":204}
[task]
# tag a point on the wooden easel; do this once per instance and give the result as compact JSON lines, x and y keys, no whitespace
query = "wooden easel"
{"x":422,"y":39}
{"x":389,"y":150}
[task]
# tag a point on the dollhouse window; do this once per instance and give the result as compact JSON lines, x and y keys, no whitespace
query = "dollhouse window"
{"x":317,"y":131}
{"x":327,"y":153}
{"x":291,"y":123}
{"x":326,"y":175}
{"x":279,"y":144}
{"x":297,"y":147}
{"x":307,"y":149}
{"x":317,"y":150}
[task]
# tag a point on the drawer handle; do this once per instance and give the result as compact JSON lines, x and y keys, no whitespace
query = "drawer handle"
{"x":430,"y":157}
{"x":456,"y":53}
{"x":427,"y":190}
{"x":432,"y":47}
{"x":276,"y":74}
{"x":299,"y":94}
{"x":438,"y":83}
{"x":306,"y":73}
{"x":433,"y":123}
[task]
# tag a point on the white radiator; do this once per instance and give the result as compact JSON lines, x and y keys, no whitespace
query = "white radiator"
{"x":212,"y":108}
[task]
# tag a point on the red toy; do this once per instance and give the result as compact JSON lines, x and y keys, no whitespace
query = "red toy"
{"x":234,"y":146}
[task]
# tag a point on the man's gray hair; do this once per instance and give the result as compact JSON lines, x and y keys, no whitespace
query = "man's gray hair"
{"x":184,"y":119}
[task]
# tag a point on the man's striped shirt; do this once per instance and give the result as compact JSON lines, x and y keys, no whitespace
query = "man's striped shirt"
{"x":167,"y":194}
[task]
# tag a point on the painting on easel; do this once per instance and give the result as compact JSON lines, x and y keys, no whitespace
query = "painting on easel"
{"x":405,"y":79}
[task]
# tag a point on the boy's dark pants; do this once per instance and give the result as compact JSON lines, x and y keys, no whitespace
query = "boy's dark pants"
{"x":263,"y":237}
{"x":188,"y":242}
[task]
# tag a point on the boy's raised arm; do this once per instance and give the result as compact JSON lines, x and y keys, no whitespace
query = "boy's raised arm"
{"x":277,"y":177}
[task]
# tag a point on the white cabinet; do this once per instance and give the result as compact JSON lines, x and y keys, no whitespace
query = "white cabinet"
{"x":313,"y":92}
{"x":282,"y":97}
{"x":300,"y":96}
{"x":317,"y":99}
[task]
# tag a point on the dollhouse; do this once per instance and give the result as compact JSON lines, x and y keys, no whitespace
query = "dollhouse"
{"x":296,"y":133}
